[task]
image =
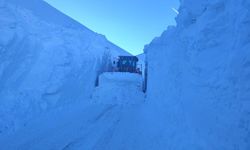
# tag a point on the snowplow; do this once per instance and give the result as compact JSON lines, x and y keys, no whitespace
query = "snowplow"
{"x":121,"y":69}
{"x":130,"y":64}
{"x":126,"y":64}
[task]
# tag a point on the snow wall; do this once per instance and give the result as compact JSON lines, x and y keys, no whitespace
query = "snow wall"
{"x":47,"y":61}
{"x":199,"y":75}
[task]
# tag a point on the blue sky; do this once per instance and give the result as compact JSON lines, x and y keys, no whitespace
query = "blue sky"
{"x":130,"y":24}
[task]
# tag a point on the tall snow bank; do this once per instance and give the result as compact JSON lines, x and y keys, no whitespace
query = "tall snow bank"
{"x":47,"y":60}
{"x":199,"y":76}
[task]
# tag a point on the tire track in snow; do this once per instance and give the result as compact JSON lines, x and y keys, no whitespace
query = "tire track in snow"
{"x":96,"y":130}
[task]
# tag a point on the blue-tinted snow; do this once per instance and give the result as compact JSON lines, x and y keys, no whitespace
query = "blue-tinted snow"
{"x":198,"y":83}
{"x":199,"y":76}
{"x":47,"y":60}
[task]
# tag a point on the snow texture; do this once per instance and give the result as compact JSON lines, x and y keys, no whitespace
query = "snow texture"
{"x":119,"y":88}
{"x":199,"y":76}
{"x":47,"y":59}
{"x":198,"y":93}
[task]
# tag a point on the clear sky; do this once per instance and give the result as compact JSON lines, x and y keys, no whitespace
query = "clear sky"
{"x":130,"y":24}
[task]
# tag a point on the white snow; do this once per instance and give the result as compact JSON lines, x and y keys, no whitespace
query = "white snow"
{"x":47,"y":59}
{"x":199,"y":76}
{"x":198,"y":93}
{"x":111,"y":121}
{"x":119,"y":88}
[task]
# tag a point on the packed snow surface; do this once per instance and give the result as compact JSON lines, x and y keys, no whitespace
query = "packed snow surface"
{"x":113,"y":118}
{"x":119,"y":88}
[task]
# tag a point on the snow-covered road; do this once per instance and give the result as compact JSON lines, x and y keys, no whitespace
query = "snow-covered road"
{"x":110,"y":120}
{"x":83,"y":127}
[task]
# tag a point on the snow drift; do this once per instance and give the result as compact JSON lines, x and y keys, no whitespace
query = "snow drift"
{"x":199,"y":76}
{"x":47,"y":60}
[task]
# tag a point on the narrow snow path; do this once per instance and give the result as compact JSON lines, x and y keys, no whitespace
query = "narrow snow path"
{"x":115,"y":119}
{"x":62,"y":129}
{"x":92,"y":127}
